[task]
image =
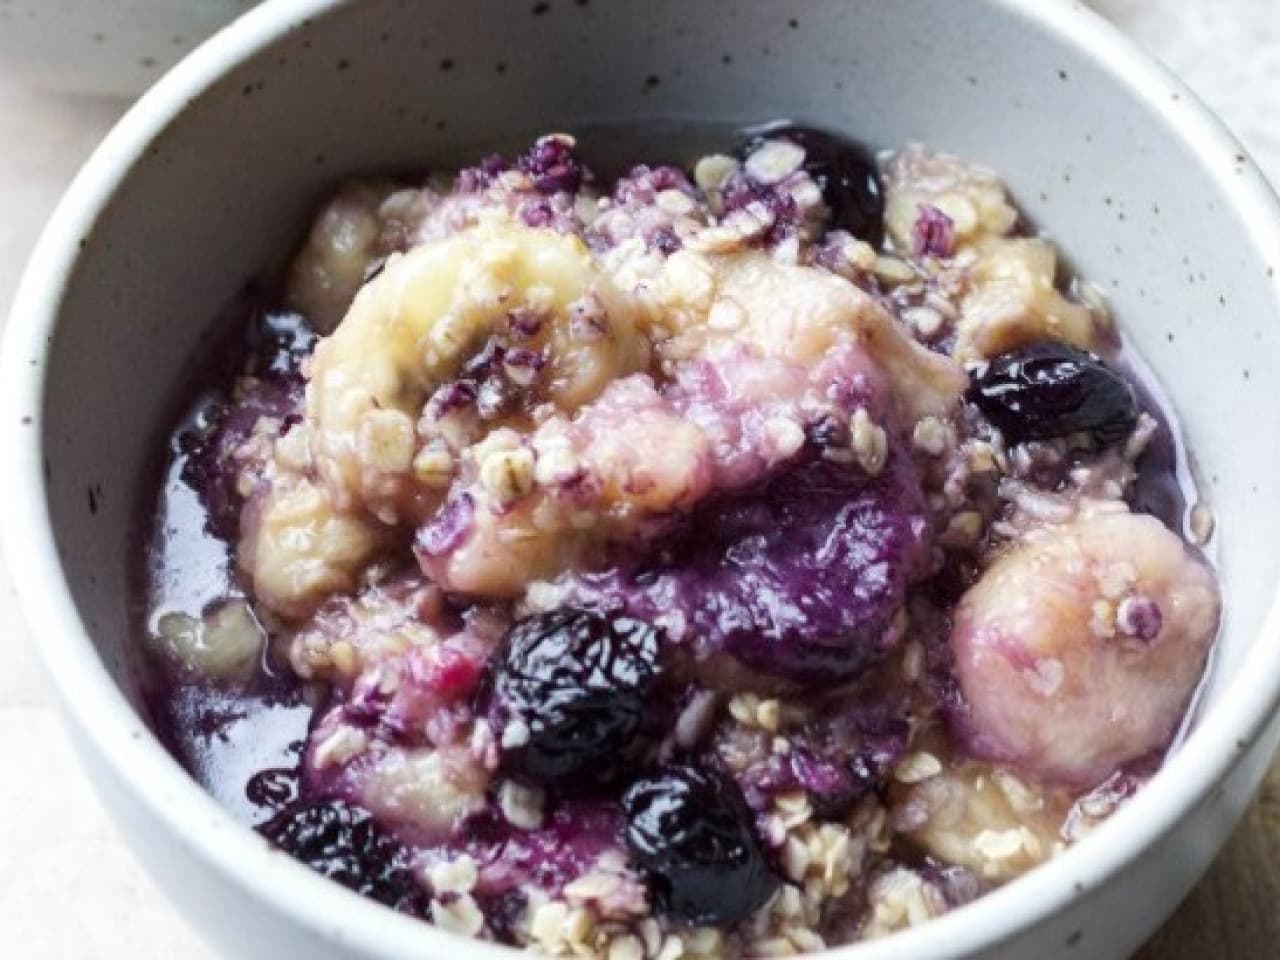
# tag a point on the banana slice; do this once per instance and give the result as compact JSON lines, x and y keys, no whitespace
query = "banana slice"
{"x":412,"y":329}
{"x":1079,"y":650}
{"x":1015,"y":301}
{"x":800,"y":315}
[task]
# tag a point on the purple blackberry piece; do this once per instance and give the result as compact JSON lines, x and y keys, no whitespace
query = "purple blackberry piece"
{"x":641,"y":186}
{"x":448,"y":528}
{"x":524,"y":322}
{"x":482,"y":175}
{"x":449,"y":397}
{"x":741,"y":191}
{"x":832,"y":786}
{"x":1139,"y":617}
{"x":538,"y":213}
{"x":842,"y":756}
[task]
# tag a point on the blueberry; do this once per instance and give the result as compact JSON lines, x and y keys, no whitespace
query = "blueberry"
{"x":585,"y":687}
{"x":1049,"y":390}
{"x":845,"y":172}
{"x":342,"y":842}
{"x":690,"y":830}
{"x":800,"y":579}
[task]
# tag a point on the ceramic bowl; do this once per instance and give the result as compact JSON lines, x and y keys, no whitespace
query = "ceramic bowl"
{"x":213,"y":174}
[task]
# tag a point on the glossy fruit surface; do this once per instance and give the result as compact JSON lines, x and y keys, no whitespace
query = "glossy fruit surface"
{"x":582,"y":685}
{"x":342,"y":842}
{"x":691,"y":831}
{"x":1049,"y":390}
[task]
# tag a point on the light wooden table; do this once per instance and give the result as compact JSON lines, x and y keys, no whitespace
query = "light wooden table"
{"x":70,"y":889}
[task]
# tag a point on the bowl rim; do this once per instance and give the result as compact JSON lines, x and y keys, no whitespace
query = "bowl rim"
{"x":103,"y":719}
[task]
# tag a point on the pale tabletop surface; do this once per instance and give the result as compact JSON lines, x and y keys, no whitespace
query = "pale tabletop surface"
{"x":69,"y":888}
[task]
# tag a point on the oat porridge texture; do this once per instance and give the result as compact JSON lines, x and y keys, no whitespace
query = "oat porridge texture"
{"x":723,"y":559}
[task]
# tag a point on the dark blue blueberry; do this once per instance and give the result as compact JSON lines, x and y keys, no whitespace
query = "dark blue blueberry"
{"x":342,"y":842}
{"x":585,"y":687}
{"x":1048,"y":390}
{"x":690,"y":830}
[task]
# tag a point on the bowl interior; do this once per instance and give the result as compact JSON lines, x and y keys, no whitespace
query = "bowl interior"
{"x":228,"y":185}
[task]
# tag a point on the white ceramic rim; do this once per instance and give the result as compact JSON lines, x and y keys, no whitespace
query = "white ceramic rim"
{"x":104,"y":718}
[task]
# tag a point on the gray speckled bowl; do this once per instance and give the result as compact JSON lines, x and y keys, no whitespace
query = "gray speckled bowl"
{"x":211,"y":175}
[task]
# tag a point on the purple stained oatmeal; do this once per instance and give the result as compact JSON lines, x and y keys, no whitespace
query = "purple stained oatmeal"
{"x":726,"y":561}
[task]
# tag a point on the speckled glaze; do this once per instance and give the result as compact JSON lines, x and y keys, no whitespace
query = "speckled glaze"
{"x":1141,"y":187}
{"x":105,"y":47}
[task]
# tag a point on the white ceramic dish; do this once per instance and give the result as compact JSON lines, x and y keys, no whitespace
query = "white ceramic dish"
{"x":211,"y":176}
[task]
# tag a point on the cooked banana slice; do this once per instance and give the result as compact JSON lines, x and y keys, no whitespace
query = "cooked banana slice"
{"x":971,"y":200}
{"x":800,"y":314}
{"x":1079,"y":650}
{"x":413,"y":327}
{"x":1015,"y":301}
{"x":296,"y":548}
